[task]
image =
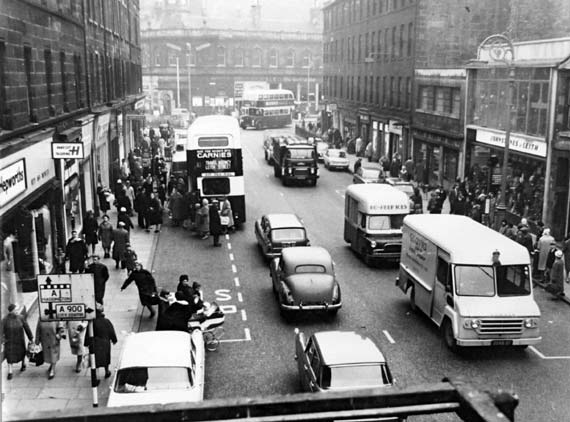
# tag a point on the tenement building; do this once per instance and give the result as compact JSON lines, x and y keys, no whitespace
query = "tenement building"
{"x":70,"y":77}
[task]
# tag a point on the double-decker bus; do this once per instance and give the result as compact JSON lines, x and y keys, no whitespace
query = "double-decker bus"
{"x":214,"y":160}
{"x":266,"y":108}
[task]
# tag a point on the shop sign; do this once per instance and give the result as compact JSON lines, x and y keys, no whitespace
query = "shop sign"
{"x":395,"y":127}
{"x":67,"y":150}
{"x":131,"y":116}
{"x":520,"y":143}
{"x":139,"y":105}
{"x":331,"y":107}
{"x":12,"y":181}
{"x":102,"y":133}
{"x":364,"y":118}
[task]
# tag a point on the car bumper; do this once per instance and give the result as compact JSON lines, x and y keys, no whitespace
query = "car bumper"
{"x":493,"y":342}
{"x":311,"y":307}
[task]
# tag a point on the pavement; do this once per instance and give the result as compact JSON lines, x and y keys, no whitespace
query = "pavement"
{"x":32,"y":391}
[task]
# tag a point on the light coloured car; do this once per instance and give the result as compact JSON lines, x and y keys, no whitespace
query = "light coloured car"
{"x":367,"y":174}
{"x":304,"y":279}
{"x":158,"y":367}
{"x":336,"y":159}
{"x":402,"y":185}
{"x":322,"y":148}
{"x":340,"y":360}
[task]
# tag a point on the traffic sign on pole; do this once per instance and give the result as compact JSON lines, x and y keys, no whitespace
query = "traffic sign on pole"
{"x":66,"y":297}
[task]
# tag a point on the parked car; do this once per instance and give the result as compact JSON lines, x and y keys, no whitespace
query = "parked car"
{"x":158,"y":367}
{"x":367,"y":174}
{"x":340,"y":360}
{"x":336,"y":159}
{"x":277,"y":231}
{"x":322,"y":148}
{"x":304,"y":279}
{"x":402,"y":185}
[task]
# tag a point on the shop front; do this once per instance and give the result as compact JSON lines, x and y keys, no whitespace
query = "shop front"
{"x":525,"y":173}
{"x":29,"y":214}
{"x":72,"y":196}
{"x":87,"y":165}
{"x":436,"y":158}
{"x":101,"y":158}
{"x":393,"y":142}
{"x":349,"y":127}
{"x":364,"y":127}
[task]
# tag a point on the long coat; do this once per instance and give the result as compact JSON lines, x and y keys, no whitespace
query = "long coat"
{"x":48,"y":333}
{"x":121,"y":238}
{"x":76,"y":336}
{"x":203,"y":222}
{"x":145,"y":283}
{"x":215,"y":222}
{"x":76,"y":251}
{"x":106,"y":234}
{"x":226,"y":211}
{"x":557,"y":276}
{"x":100,"y":276}
{"x":178,"y":207}
{"x":543,"y":248}
{"x":90,"y":226}
{"x":124,"y":217}
{"x":104,"y":334}
{"x":566,"y":250}
{"x":13,"y":328}
{"x":155,"y":211}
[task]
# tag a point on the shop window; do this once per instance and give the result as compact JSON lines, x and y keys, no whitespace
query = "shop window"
{"x":562,"y":172}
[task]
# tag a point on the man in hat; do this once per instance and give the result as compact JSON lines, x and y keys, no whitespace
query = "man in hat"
{"x":146,"y":285}
{"x":100,"y":276}
{"x":215,"y":223}
{"x":120,"y":238}
{"x":557,"y":276}
{"x":525,"y":239}
{"x":123,"y":216}
{"x":76,"y":253}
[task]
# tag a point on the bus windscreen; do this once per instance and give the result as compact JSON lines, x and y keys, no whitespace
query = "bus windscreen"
{"x":218,"y":141}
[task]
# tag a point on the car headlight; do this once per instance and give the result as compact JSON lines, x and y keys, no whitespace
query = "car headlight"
{"x":471,"y":324}
{"x":336,"y":294}
{"x":373,"y":243}
{"x":531,"y":323}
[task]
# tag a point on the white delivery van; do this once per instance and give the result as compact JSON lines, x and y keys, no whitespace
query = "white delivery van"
{"x":472,"y":281}
{"x":373,"y":217}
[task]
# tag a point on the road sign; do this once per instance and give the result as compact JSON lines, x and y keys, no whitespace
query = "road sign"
{"x":66,"y":297}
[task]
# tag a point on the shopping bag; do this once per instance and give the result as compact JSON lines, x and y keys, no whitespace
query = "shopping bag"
{"x":224,"y":220}
{"x":35,"y":354}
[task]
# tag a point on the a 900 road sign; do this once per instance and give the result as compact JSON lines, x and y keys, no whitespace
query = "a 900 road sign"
{"x":66,"y":297}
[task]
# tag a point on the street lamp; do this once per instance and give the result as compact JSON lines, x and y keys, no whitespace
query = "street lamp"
{"x":499,"y":50}
{"x":176,"y":48}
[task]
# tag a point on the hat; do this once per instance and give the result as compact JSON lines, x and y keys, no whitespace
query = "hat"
{"x":183,"y":277}
{"x":119,"y":181}
{"x":558,"y":254}
{"x":123,"y":209}
{"x":95,"y":257}
{"x":121,"y":223}
{"x":11,"y":307}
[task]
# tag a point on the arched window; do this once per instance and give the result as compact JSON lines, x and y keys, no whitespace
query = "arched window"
{"x":273,"y":58}
{"x":221,"y":56}
{"x":239,"y":57}
{"x":290,"y":58}
{"x":256,"y":58}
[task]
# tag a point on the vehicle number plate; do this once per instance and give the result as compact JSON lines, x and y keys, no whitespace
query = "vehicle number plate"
{"x":501,"y":343}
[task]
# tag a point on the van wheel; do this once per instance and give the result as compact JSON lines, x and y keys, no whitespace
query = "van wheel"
{"x":275,"y":171}
{"x":448,"y":337}
{"x":413,"y":305}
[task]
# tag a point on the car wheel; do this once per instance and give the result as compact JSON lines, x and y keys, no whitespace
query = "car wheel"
{"x":448,"y":337}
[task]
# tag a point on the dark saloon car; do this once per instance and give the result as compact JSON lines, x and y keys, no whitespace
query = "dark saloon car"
{"x":304,"y":279}
{"x":340,"y":360}
{"x":277,"y":231}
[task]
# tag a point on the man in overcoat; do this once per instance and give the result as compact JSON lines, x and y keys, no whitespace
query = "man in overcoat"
{"x":120,"y":239}
{"x":103,"y":335}
{"x":146,"y":285}
{"x":76,"y":253}
{"x":100,"y":276}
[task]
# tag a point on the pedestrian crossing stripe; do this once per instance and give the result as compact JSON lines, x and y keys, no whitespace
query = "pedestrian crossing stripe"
{"x":55,"y":286}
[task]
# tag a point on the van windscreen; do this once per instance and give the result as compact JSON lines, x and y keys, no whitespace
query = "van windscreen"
{"x":386,"y":222}
{"x":473,"y":280}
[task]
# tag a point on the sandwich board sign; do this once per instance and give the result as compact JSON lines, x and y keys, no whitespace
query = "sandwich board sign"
{"x":66,"y":297}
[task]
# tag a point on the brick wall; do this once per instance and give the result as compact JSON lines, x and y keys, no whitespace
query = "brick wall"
{"x":534,"y":20}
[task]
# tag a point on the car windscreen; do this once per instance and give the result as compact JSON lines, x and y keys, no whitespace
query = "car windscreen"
{"x":339,"y":154}
{"x":141,"y":379}
{"x":407,"y":189}
{"x":288,"y":235}
{"x":301,"y":153}
{"x":385,"y":222}
{"x":512,"y":280}
{"x":310,"y":268}
{"x":370,"y":173}
{"x":356,"y":376}
{"x":473,"y":280}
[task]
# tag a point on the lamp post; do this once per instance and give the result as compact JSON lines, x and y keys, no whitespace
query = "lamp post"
{"x":176,"y":48}
{"x":499,"y":50}
{"x":189,"y":46}
{"x":308,"y":84}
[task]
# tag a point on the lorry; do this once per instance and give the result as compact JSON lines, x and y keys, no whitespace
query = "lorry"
{"x":295,"y":159}
{"x":471,"y":281}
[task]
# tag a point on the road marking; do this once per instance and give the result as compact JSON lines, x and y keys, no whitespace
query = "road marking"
{"x":234,"y":269}
{"x":236,"y":340}
{"x":228,"y":309}
{"x":281,"y":193}
{"x":243,"y":315}
{"x":340,"y":192}
{"x":542,"y":356}
{"x":227,"y":237}
{"x":388,"y":336}
{"x":240,"y":297}
{"x":229,"y":246}
{"x":231,"y":257}
{"x":236,"y":281}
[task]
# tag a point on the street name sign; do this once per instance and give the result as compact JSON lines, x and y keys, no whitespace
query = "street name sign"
{"x":66,"y":297}
{"x":67,"y":150}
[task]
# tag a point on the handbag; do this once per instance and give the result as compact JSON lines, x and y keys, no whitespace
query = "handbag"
{"x":224,"y":220}
{"x":35,"y":354}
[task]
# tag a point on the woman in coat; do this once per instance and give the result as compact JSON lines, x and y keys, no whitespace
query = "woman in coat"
{"x":49,"y":334}
{"x":203,"y":219}
{"x":215,"y":223}
{"x":106,"y":235}
{"x":544,"y":244}
{"x":155,"y":212}
{"x":76,"y":335}
{"x":178,"y":207}
{"x":226,"y":211}
{"x":103,"y":335}
{"x":102,"y":195}
{"x":14,"y":326}
{"x":90,"y":228}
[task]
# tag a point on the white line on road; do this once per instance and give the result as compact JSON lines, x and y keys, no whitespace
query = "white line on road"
{"x":388,"y":336}
{"x":229,"y":246}
{"x":227,"y":237}
{"x":243,"y":315}
{"x":231,"y":257}
{"x":247,"y":334}
{"x":542,"y":356}
{"x":236,"y":281}
{"x":234,"y":269}
{"x":236,"y":340}
{"x":340,"y":192}
{"x":240,"y":297}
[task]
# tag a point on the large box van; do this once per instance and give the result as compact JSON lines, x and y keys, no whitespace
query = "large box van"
{"x":473,"y":282}
{"x":373,"y":217}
